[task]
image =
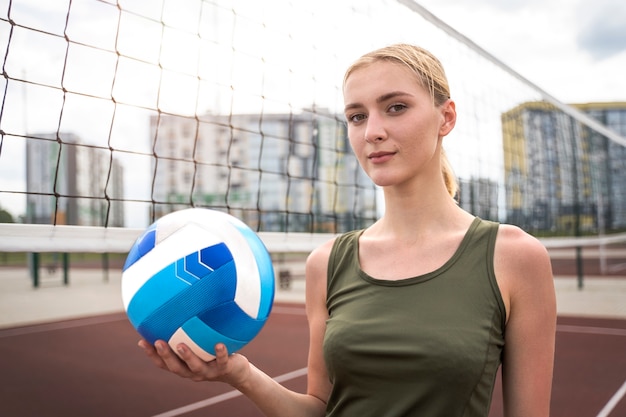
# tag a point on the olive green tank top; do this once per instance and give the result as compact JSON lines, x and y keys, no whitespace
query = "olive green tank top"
{"x":427,"y":346}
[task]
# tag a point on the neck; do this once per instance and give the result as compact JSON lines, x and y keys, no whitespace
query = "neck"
{"x":411,"y":215}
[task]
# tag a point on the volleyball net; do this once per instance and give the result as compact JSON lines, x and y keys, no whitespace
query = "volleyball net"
{"x":115,"y":113}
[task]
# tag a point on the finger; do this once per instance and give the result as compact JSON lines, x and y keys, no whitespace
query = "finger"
{"x":221,"y":353}
{"x":146,"y":346}
{"x":222,"y":359}
{"x":199,"y":369}
{"x":229,"y":368}
{"x":171,"y":360}
{"x":151,"y":352}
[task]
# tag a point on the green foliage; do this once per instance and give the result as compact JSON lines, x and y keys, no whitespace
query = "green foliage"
{"x":5,"y":216}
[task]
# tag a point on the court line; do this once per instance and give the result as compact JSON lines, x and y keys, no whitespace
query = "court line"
{"x":615,"y":399}
{"x":617,"y":267}
{"x":108,"y":318}
{"x":226,"y":396}
{"x":88,"y":321}
{"x":607,"y":331}
{"x":61,"y":325}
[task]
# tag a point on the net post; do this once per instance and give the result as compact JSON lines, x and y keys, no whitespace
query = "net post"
{"x":579,"y":267}
{"x":34,"y":268}
{"x":65,"y":259}
{"x":105,"y":266}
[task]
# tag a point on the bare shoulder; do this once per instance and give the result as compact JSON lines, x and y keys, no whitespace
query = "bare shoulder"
{"x":317,"y":264}
{"x":316,"y":275}
{"x":522,"y":266}
{"x":518,"y":246}
{"x":318,"y":258}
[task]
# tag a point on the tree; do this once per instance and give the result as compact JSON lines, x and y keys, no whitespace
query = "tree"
{"x":5,"y":216}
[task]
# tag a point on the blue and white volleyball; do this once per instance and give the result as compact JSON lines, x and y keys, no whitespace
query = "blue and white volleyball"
{"x":200,"y":277}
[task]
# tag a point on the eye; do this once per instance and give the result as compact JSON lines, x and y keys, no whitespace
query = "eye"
{"x":396,"y":108}
{"x":355,"y":118}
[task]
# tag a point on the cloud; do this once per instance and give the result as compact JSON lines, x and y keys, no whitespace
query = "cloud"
{"x":603,"y":32}
{"x":503,"y":5}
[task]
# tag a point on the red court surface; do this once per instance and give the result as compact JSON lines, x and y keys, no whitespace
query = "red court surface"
{"x":92,"y":367}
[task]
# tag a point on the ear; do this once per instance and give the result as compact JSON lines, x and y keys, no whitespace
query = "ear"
{"x":448,"y":113}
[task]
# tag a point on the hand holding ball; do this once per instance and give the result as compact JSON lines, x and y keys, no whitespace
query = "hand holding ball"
{"x":200,"y":277}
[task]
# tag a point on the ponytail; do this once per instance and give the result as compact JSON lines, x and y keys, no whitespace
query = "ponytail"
{"x":448,"y":175}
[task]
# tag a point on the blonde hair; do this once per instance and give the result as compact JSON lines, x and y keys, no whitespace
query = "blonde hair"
{"x":430,"y":75}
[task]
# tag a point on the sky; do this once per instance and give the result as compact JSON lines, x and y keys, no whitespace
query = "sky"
{"x":574,"y":50}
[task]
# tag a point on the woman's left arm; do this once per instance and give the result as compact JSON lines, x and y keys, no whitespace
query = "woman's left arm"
{"x":524,"y":273}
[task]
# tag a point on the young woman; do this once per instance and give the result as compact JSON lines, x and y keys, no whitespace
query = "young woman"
{"x":413,"y":315}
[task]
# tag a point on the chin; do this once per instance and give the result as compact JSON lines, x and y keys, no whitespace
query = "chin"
{"x":383,"y":181}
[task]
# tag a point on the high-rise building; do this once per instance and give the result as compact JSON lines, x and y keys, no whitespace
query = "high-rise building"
{"x":277,"y":172}
{"x":608,"y":161}
{"x":68,"y":182}
{"x":479,"y":196}
{"x":558,"y":173}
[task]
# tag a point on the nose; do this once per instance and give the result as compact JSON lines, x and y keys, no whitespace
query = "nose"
{"x":374,"y":130}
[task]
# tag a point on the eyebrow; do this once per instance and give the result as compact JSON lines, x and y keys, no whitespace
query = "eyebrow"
{"x":380,"y":99}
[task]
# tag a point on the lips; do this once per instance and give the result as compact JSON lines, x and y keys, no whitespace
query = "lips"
{"x":380,"y":157}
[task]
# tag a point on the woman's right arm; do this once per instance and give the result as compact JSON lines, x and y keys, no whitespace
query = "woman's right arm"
{"x":270,"y":397}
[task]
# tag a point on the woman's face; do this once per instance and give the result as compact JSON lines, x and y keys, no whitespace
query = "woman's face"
{"x":393,"y":126}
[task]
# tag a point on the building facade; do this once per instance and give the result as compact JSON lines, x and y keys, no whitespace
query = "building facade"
{"x":276,"y":172}
{"x":560,"y":176}
{"x":479,"y":196}
{"x":608,"y":162}
{"x":70,"y":183}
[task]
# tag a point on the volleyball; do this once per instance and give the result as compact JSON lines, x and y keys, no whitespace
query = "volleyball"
{"x":200,"y":277}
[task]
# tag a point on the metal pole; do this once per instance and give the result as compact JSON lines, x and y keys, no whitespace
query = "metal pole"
{"x":579,"y":266}
{"x":34,"y":268}
{"x":105,"y":266}
{"x":577,"y":202}
{"x":66,"y":267}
